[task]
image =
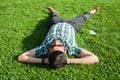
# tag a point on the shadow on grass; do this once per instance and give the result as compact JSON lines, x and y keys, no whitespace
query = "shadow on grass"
{"x":36,"y":38}
{"x":38,"y":34}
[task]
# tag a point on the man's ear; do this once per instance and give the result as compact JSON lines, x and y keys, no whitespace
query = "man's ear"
{"x":46,"y":60}
{"x":66,"y":50}
{"x":49,"y":51}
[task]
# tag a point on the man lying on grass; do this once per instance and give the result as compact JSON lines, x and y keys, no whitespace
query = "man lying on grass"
{"x":60,"y":42}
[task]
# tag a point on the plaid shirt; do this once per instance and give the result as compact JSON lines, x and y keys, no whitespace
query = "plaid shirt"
{"x":65,"y":33}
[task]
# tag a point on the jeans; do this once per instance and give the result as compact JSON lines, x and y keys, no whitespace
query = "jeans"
{"x":76,"y":22}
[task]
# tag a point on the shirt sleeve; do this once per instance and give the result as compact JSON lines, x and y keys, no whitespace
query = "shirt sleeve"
{"x":40,"y":51}
{"x":75,"y":51}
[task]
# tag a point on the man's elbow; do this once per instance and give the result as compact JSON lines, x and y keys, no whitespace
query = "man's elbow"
{"x":22,"y":58}
{"x":96,"y":60}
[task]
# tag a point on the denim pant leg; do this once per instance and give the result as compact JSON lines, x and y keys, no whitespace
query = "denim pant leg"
{"x":76,"y":22}
{"x":55,"y":18}
{"x":79,"y":20}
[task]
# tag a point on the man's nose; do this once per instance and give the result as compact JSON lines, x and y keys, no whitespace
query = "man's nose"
{"x":55,"y":41}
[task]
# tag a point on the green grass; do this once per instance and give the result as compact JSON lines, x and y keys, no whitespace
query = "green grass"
{"x":24,"y":25}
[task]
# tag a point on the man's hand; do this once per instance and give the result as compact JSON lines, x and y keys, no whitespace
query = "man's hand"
{"x":46,"y":61}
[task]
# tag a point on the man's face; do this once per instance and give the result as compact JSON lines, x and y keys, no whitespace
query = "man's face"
{"x":57,"y":45}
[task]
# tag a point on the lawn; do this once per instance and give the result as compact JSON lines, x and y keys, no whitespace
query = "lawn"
{"x":24,"y":25}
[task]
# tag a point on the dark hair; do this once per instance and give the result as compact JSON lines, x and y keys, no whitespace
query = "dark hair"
{"x":57,"y":59}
